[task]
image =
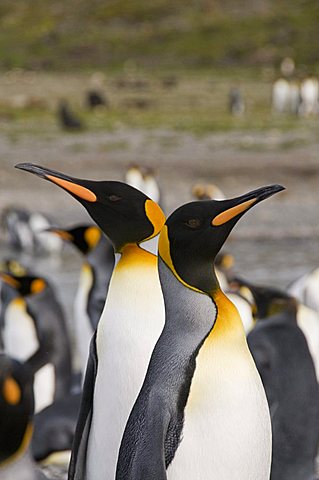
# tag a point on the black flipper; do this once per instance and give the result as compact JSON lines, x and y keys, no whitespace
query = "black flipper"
{"x":145,"y":458}
{"x":78,"y":458}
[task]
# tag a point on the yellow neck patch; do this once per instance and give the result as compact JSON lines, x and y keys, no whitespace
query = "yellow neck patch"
{"x":11,"y":391}
{"x":37,"y":285}
{"x":9,"y":280}
{"x":92,"y":235}
{"x":77,"y":190}
{"x":228,"y":326}
{"x":132,"y":255}
{"x":155,"y":215}
{"x":227,"y":215}
{"x":164,"y":252}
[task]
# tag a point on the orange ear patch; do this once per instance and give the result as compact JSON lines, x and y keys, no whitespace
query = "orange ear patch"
{"x":155,"y":215}
{"x":229,"y":214}
{"x":92,"y":235}
{"x":11,"y":391}
{"x":78,"y":190}
{"x":37,"y":285}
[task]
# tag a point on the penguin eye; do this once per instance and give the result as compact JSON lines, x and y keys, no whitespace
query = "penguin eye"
{"x":193,"y":223}
{"x":114,"y":198}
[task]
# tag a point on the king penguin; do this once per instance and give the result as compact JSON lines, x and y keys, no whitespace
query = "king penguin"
{"x":202,"y":412}
{"x":34,"y":331}
{"x":286,"y":367}
{"x":129,"y":327}
{"x":94,"y":282}
{"x":16,"y":412}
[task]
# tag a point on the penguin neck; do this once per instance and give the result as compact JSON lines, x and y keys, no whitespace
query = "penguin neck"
{"x":21,"y":454}
{"x":131,"y":255}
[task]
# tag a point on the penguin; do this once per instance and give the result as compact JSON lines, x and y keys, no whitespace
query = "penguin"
{"x":94,"y":281}
{"x":67,"y":119}
{"x":130,"y":325}
{"x":202,"y":411}
{"x":16,"y":425}
{"x":34,"y":331}
{"x":27,"y":231}
{"x":286,"y":367}
{"x":266,"y":301}
{"x":54,"y":429}
{"x":306,"y":287}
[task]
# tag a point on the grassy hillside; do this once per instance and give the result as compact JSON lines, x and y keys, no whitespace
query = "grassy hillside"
{"x":85,"y":34}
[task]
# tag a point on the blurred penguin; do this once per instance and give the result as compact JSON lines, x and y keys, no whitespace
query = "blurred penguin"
{"x":67,"y":119}
{"x":33,"y":330}
{"x":26,"y":231}
{"x":306,"y":289}
{"x":16,"y":424}
{"x":94,"y":281}
{"x":286,"y":367}
{"x":236,"y":102}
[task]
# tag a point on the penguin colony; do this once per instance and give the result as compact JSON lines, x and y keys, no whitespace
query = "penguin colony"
{"x":170,"y":387}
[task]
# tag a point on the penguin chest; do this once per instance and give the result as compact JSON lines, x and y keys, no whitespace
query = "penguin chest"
{"x":83,"y":329}
{"x":130,"y":325}
{"x":226,"y":431}
{"x":20,"y":336}
{"x":44,"y":387}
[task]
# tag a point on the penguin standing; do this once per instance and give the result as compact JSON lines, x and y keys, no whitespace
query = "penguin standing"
{"x":202,"y":412}
{"x":94,"y":282}
{"x":34,"y":331}
{"x":130,"y":324}
{"x":16,"y":411}
{"x":286,"y":367}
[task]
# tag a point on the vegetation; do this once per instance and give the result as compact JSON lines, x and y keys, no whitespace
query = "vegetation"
{"x":107,"y":34}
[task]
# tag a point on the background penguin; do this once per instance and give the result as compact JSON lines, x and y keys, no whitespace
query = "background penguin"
{"x":67,"y":119}
{"x":265,"y":301}
{"x":94,"y":281}
{"x":16,"y":411}
{"x":27,"y":231}
{"x":131,"y":322}
{"x":284,"y":362}
{"x":34,"y":331}
{"x":306,"y":289}
{"x":202,"y":411}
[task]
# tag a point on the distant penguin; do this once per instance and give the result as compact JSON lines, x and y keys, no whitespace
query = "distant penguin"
{"x":130,"y":324}
{"x":202,"y":411}
{"x":26,"y":231}
{"x":95,"y":98}
{"x":67,"y":119}
{"x":143,"y":178}
{"x":286,"y":367}
{"x":34,"y":331}
{"x":306,"y":288}
{"x":281,"y":96}
{"x":94,"y":281}
{"x":54,"y":428}
{"x":207,"y":191}
{"x":236,"y":102}
{"x":16,"y":425}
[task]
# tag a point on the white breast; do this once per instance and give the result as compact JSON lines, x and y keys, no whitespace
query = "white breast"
{"x":19,"y":335}
{"x":227,"y":433}
{"x":82,"y":324}
{"x":131,"y":323}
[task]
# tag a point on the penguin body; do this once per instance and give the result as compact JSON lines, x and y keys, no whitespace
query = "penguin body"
{"x":16,"y":411}
{"x":305,"y":289}
{"x":286,"y":367}
{"x":94,"y":282}
{"x":27,"y":231}
{"x":202,"y":411}
{"x":34,"y":331}
{"x":117,"y":362}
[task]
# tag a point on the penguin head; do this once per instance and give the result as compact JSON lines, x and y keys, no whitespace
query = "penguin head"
{"x":11,"y":265}
{"x":122,"y":212}
{"x":84,"y":237}
{"x":16,"y":407}
{"x":24,"y":284}
{"x":267,"y":301}
{"x":194,"y":234}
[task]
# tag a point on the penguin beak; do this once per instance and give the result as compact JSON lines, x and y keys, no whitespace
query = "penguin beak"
{"x":60,"y":233}
{"x":8,"y":279}
{"x":238,"y":206}
{"x":75,"y":186}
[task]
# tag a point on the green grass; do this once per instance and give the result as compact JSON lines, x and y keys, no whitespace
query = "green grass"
{"x":82,"y":34}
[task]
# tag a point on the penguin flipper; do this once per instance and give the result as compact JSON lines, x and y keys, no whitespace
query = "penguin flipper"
{"x":145,"y":458}
{"x":78,"y":457}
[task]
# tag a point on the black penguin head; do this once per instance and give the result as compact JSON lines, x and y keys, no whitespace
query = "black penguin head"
{"x":16,"y":407}
{"x":84,"y":237}
{"x":194,"y":234}
{"x":268,"y":301}
{"x":24,"y":284}
{"x":124,"y":213}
